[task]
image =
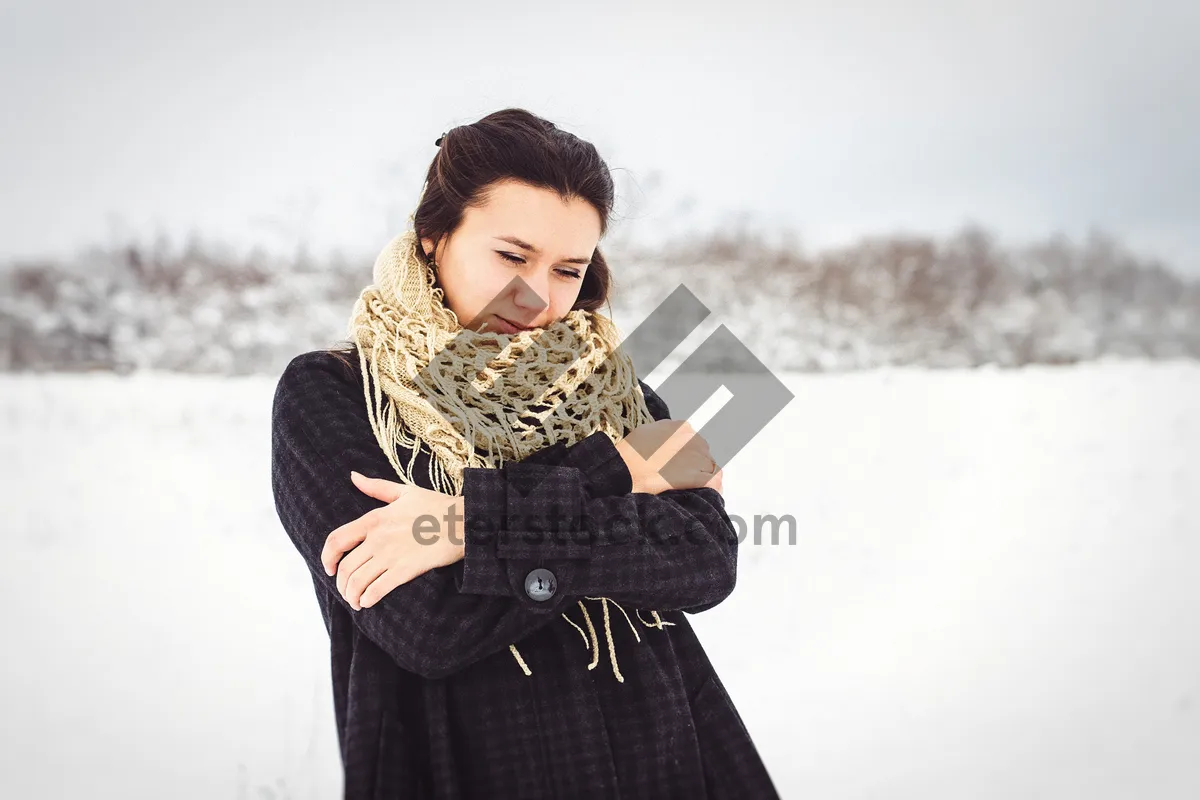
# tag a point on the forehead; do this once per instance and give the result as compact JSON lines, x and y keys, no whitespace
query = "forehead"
{"x":538,"y":216}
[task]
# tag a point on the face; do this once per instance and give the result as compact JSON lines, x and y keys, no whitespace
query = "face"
{"x":518,"y":260}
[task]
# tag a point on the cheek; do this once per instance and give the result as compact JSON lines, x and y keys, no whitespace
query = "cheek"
{"x":469,"y":291}
{"x":563,"y":297}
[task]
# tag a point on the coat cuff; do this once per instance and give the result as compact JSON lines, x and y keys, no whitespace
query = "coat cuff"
{"x":543,"y":514}
{"x":483,"y":512}
{"x":496,"y":561}
{"x":521,"y":512}
{"x":531,"y":512}
{"x":600,"y":461}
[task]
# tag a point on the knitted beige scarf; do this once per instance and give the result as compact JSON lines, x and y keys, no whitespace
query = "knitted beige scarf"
{"x":473,"y":399}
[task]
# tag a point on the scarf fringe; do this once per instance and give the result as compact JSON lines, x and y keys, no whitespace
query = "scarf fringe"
{"x":594,"y":644}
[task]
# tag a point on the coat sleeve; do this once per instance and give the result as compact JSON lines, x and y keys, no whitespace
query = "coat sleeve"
{"x":430,"y":625}
{"x":451,"y":617}
{"x":676,"y":550}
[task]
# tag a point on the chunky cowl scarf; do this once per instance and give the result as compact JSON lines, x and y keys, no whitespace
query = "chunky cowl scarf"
{"x":473,"y":399}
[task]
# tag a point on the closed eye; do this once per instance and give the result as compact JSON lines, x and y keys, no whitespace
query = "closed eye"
{"x":516,"y":260}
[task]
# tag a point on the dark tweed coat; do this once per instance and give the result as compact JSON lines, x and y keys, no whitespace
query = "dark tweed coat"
{"x":430,"y":702}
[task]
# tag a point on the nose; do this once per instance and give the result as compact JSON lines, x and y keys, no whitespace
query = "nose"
{"x":532,"y":294}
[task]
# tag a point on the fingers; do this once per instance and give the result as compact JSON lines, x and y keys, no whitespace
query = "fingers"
{"x":344,"y":539}
{"x":682,"y":437}
{"x":688,"y":438}
{"x":687,"y":475}
{"x":379,"y":488}
{"x":670,"y":455}
{"x":716,"y":481}
{"x":352,"y":534}
{"x":703,"y":461}
{"x":364,"y":578}
{"x":349,"y":564}
{"x":701,"y":469}
{"x":383,"y":583}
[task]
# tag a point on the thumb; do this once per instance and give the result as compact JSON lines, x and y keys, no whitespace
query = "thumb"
{"x":380,"y":489}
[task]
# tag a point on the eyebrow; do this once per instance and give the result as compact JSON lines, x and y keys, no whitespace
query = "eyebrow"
{"x":526,"y":246}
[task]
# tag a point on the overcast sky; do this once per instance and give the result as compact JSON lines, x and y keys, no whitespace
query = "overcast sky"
{"x":255,"y":122}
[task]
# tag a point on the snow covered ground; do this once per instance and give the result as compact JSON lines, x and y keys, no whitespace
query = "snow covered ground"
{"x":993,"y":591}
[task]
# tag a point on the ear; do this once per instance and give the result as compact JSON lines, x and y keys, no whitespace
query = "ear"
{"x":429,"y":248}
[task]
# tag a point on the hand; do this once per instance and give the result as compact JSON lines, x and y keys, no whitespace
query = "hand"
{"x":388,"y":547}
{"x":662,"y":440}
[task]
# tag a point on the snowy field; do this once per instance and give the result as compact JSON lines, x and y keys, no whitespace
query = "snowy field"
{"x":994,"y":591}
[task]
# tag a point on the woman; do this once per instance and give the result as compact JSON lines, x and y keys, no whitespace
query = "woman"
{"x":482,"y":389}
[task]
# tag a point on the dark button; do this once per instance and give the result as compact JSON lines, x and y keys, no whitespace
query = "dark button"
{"x":540,"y":584}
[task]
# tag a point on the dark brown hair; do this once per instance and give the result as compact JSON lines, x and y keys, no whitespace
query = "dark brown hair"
{"x":516,"y":144}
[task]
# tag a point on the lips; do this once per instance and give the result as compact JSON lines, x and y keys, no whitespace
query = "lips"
{"x":508,"y":326}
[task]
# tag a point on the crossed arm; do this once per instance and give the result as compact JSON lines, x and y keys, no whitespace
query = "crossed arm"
{"x":569,"y":509}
